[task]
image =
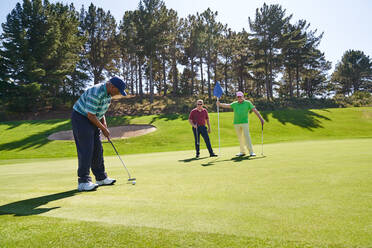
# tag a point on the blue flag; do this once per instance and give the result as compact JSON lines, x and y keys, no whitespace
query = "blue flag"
{"x":217,"y":91}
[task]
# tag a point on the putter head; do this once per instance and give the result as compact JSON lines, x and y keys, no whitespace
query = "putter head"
{"x":132,"y":181}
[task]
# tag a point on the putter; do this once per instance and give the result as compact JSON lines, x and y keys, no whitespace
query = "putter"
{"x":130,"y":179}
{"x":262,"y":141}
{"x":197,"y":135}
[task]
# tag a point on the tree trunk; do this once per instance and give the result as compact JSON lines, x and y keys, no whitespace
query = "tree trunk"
{"x":164,"y":78}
{"x":267,"y":82}
{"x":96,"y":76}
{"x":201,"y":76}
{"x":192,"y":76}
{"x":209,"y":77}
{"x":290,"y":82}
{"x":175,"y":77}
{"x":215,"y":72}
{"x":151,"y":83}
{"x":131,"y":77}
{"x":140,"y":78}
{"x":298,"y":81}
{"x":136,"y":70}
{"x":271,"y":77}
{"x":226,"y":79}
{"x":241,"y":78}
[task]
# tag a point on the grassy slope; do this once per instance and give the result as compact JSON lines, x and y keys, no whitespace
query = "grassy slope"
{"x":31,"y":232}
{"x":28,"y":139}
{"x":302,"y":194}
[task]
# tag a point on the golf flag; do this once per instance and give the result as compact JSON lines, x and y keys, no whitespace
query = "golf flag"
{"x":217,"y":91}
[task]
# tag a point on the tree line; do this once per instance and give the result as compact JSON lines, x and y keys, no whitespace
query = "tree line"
{"x":49,"y":52}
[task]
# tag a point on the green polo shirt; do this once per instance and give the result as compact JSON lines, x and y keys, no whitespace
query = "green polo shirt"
{"x":241,"y":111}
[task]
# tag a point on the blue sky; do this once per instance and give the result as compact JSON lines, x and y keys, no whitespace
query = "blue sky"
{"x":346,"y":23}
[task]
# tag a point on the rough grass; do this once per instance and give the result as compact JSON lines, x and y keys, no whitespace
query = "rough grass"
{"x":300,"y":194}
{"x":28,"y":139}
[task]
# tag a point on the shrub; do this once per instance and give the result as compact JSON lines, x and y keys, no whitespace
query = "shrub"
{"x":24,"y":98}
{"x":358,"y":99}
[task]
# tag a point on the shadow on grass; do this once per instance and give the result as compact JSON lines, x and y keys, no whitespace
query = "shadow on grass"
{"x":30,"y":206}
{"x":234,"y":159}
{"x":304,"y":118}
{"x":15,"y":124}
{"x":169,"y":117}
{"x":35,"y":140}
{"x":119,"y":120}
{"x":191,"y":159}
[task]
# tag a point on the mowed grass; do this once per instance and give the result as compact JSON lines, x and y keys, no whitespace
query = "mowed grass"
{"x":28,"y":139}
{"x":299,"y":194}
{"x":311,"y":189}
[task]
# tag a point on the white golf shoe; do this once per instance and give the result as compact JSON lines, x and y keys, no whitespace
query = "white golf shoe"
{"x":252,"y":154}
{"x":89,"y":186}
{"x":106,"y":181}
{"x":240,"y":154}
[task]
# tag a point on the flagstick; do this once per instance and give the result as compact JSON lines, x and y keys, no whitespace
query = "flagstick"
{"x":218,"y":117}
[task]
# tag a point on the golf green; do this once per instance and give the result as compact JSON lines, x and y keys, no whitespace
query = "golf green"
{"x":313,"y":193}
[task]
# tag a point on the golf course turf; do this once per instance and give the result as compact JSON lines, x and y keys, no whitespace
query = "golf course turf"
{"x":313,"y":190}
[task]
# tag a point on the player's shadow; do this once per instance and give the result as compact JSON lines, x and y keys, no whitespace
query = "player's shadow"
{"x":234,"y":159}
{"x":31,"y":206}
{"x":191,"y":159}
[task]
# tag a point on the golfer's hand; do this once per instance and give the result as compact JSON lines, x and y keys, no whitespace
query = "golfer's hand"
{"x":209,"y":130}
{"x":106,"y":132}
{"x":262,"y":122}
{"x":218,"y":103}
{"x":195,"y":126}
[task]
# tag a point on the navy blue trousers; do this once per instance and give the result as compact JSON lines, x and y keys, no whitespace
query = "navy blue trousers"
{"x":89,"y":148}
{"x":202,"y":130}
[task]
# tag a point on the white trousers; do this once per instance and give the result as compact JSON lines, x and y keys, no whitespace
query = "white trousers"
{"x":242,"y":130}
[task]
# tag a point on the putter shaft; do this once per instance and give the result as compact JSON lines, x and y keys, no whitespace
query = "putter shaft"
{"x":130,"y":178}
{"x":262,"y":141}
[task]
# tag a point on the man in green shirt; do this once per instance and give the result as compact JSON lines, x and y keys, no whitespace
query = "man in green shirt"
{"x":241,"y":109}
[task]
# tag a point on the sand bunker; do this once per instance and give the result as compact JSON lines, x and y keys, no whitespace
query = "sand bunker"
{"x":115,"y":132}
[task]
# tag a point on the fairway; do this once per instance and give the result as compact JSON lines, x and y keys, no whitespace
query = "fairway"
{"x":299,"y":194}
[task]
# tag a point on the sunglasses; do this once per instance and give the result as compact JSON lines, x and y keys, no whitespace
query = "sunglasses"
{"x":200,"y":104}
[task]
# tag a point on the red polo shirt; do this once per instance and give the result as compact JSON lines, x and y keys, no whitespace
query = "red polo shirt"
{"x":199,"y":117}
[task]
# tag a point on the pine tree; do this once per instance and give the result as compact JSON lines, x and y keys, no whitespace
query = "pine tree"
{"x":212,"y":32}
{"x":268,"y":27}
{"x":40,"y":44}
{"x":99,"y":28}
{"x":151,"y":32}
{"x":353,"y":73}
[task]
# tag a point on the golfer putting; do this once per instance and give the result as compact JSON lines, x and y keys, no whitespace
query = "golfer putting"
{"x":241,"y":109}
{"x":198,"y":118}
{"x":88,"y":121}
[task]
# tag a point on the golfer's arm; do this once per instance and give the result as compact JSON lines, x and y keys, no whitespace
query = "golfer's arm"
{"x":93,"y":118}
{"x":209,"y":125}
{"x":258,"y":115}
{"x":225,"y":105}
{"x":191,"y":122}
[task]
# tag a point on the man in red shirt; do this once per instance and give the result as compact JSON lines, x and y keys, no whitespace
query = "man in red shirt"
{"x":197,"y":118}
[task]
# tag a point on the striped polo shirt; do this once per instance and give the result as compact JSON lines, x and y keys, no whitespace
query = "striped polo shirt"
{"x":94,"y":100}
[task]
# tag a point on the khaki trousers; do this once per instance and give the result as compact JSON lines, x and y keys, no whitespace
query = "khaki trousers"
{"x":242,"y":130}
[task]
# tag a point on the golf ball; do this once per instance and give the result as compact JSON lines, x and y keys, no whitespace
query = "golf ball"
{"x":134,"y":182}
